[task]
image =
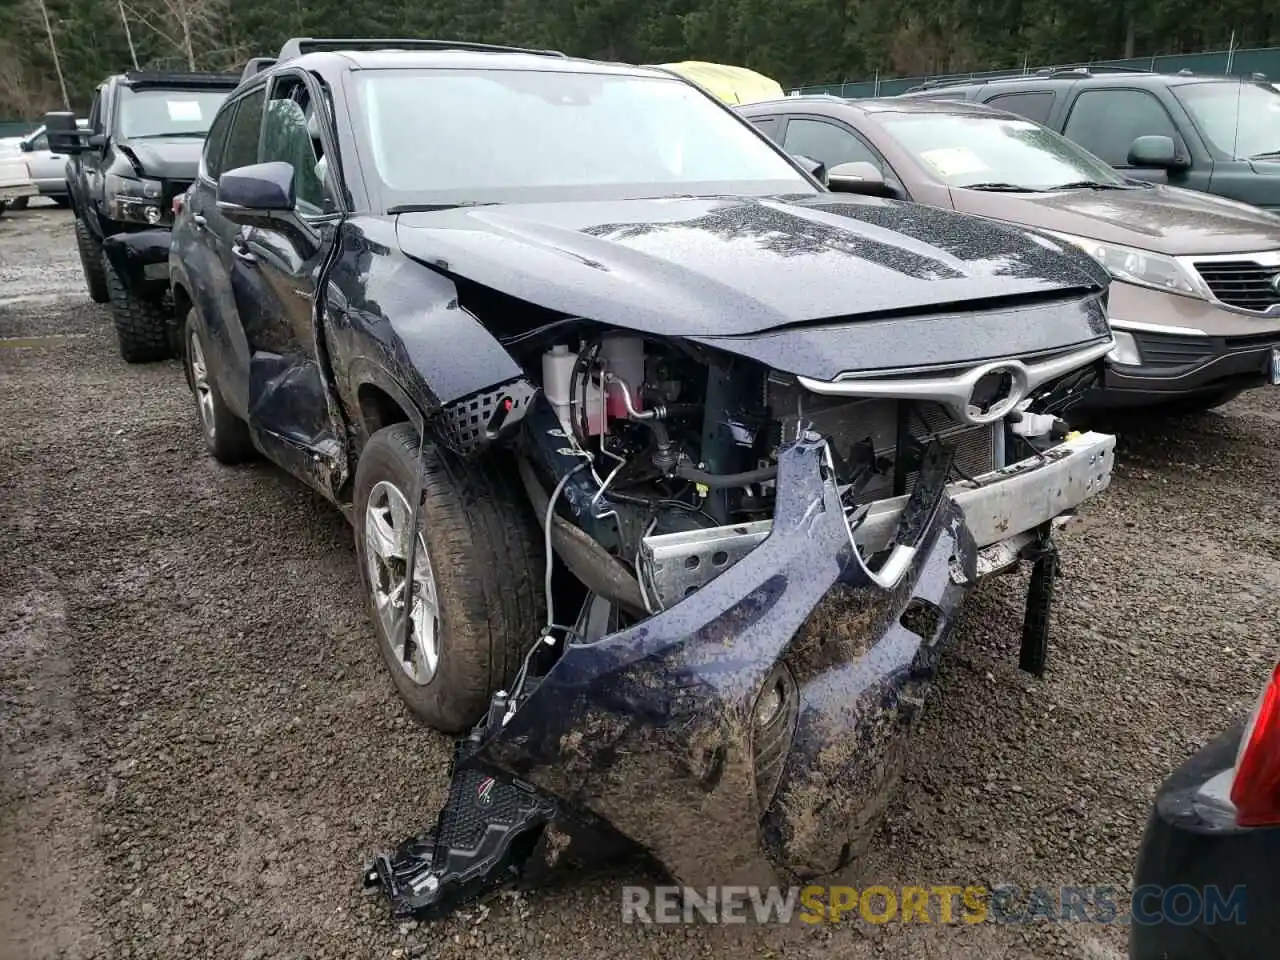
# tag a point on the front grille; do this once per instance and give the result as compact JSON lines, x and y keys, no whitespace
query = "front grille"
{"x":1243,"y":283}
{"x":849,"y":421}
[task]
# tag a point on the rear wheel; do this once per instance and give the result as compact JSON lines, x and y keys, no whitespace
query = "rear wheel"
{"x":225,"y":434}
{"x":142,"y":326}
{"x":478,"y":600}
{"x":90,"y":251}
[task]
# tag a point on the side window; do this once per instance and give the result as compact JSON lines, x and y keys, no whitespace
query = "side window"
{"x":95,"y":112}
{"x":1106,"y":122}
{"x":827,"y":143}
{"x":242,"y":138}
{"x":211,"y":160}
{"x":41,"y":142}
{"x":768,"y":126}
{"x":1033,"y":106}
{"x":291,"y":133}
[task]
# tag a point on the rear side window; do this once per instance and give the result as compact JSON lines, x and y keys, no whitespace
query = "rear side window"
{"x":827,"y":143}
{"x":242,"y":138}
{"x":1106,"y":122}
{"x":766,"y":125}
{"x":1033,"y":106}
{"x":217,"y":139}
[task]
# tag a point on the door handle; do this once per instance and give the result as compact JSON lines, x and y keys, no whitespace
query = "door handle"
{"x":243,"y":253}
{"x":198,"y":221}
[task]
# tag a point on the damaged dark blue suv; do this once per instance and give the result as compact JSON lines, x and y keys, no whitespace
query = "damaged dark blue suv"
{"x":669,"y":468}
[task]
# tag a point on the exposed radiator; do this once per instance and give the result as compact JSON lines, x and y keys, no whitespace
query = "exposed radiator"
{"x":850,"y":421}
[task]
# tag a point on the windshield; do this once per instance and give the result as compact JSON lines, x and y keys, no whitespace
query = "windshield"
{"x":1240,"y":120}
{"x":461,"y":136}
{"x":967,"y":151}
{"x":166,"y":113}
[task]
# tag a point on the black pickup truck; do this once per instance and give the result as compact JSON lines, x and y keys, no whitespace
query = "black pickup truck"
{"x":141,"y":150}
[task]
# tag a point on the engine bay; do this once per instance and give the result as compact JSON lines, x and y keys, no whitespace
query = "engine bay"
{"x":652,"y":462}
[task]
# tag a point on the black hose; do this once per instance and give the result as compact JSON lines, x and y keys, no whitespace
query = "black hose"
{"x":717,"y":480}
{"x":597,"y":569}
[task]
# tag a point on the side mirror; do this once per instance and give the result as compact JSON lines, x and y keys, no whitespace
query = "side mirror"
{"x":858,"y":177}
{"x":1154,"y":151}
{"x":811,"y":166}
{"x":65,"y":136}
{"x":25,"y":146}
{"x":254,"y":193}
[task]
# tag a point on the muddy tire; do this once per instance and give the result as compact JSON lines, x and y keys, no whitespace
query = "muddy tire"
{"x":142,"y":326}
{"x":225,"y":435}
{"x":90,"y":251}
{"x":481,"y":603}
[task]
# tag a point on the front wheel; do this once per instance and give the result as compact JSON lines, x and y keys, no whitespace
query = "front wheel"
{"x":142,"y":326}
{"x":90,"y":250}
{"x":478,"y":603}
{"x":225,"y":434}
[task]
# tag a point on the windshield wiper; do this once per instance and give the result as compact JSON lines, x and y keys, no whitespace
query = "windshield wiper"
{"x":1266,"y":155}
{"x":434,"y":207}
{"x":1089,"y":185}
{"x":998,"y":187}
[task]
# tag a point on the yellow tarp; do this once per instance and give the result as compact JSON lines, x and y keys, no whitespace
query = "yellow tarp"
{"x":730,"y":84}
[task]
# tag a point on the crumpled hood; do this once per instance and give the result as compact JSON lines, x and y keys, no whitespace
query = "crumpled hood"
{"x":1161,"y":219}
{"x":175,"y":158}
{"x":732,"y":266}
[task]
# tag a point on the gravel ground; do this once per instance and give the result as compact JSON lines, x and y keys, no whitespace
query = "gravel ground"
{"x":200,"y":749}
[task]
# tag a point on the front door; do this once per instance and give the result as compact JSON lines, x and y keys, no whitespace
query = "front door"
{"x":276,"y":266}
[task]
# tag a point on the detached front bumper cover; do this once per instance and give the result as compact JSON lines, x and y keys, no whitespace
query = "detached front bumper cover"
{"x":659,"y":733}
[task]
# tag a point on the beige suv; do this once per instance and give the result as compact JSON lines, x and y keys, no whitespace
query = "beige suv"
{"x":1195,"y":302}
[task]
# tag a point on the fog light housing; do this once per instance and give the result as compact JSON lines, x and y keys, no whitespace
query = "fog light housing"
{"x":1125,"y":353}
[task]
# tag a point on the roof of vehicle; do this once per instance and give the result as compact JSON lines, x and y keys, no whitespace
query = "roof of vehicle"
{"x":874,"y":105}
{"x":390,"y":54}
{"x":1084,"y":75}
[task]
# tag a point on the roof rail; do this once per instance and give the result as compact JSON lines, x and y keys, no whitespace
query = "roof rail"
{"x":255,"y":66}
{"x":178,"y":78}
{"x":297,"y":46}
{"x":950,"y":82}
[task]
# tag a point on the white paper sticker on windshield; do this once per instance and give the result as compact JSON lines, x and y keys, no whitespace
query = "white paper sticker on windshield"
{"x":954,"y":161}
{"x":184,"y":111}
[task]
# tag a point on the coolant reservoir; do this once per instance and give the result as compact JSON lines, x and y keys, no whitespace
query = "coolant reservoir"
{"x":557,"y":371}
{"x":623,"y":357}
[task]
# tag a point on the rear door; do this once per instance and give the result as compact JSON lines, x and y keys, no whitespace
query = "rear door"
{"x":1035,"y":105}
{"x":276,"y":266}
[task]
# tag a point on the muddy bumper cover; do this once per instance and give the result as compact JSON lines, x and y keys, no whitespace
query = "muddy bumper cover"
{"x":754,"y":731}
{"x":141,"y":260}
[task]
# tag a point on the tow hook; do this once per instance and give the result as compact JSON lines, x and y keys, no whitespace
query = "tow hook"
{"x":1033,"y":654}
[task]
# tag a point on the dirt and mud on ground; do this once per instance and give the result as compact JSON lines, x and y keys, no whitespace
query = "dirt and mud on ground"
{"x":201,"y":749}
